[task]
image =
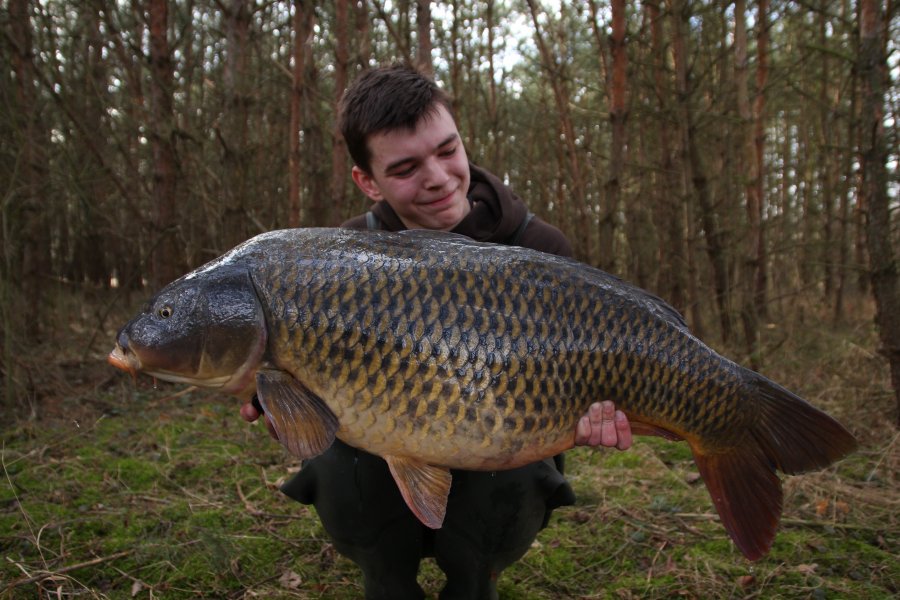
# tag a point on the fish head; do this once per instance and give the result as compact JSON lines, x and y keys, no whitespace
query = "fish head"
{"x":206,"y":329}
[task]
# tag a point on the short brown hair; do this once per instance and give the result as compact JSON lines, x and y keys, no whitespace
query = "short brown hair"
{"x":384,"y":99}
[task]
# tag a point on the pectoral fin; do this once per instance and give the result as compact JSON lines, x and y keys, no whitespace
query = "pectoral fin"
{"x":304,"y":423}
{"x":424,"y":487}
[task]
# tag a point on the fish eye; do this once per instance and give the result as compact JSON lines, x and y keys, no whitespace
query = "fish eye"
{"x":165,"y":312}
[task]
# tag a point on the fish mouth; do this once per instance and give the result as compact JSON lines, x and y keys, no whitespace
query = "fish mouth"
{"x":126,"y":362}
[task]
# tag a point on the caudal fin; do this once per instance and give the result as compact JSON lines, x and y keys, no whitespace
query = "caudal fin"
{"x":788,"y":435}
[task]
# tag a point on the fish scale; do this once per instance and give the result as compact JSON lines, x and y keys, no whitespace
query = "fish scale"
{"x":441,"y":321}
{"x":438,"y":352}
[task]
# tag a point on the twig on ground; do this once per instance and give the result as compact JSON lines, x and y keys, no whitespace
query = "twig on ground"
{"x":884,"y":455}
{"x":47,"y":574}
{"x":176,"y":395}
{"x":785,"y":521}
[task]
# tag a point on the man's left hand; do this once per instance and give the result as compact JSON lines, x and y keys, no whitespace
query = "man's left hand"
{"x":603,"y":425}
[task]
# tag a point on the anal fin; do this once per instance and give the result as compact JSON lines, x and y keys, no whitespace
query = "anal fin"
{"x":424,"y":487}
{"x":641,"y":428}
{"x":304,"y":423}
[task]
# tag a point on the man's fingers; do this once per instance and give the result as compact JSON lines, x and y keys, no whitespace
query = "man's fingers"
{"x":583,"y":431}
{"x":603,"y":425}
{"x":592,"y":430}
{"x":608,"y":433}
{"x":623,"y":431}
{"x":249,"y":412}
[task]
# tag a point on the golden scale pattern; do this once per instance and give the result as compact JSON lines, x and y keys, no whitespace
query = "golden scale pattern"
{"x":484,"y":353}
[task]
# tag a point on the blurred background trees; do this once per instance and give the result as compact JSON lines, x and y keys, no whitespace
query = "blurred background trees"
{"x":739,"y":159}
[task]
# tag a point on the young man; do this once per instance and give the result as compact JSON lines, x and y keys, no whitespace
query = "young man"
{"x":410,"y":160}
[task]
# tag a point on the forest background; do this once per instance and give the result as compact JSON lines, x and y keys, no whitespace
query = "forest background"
{"x":739,"y":160}
{"x":733,"y":160}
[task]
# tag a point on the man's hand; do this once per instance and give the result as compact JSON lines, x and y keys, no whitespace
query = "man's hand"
{"x":603,"y":425}
{"x":250,"y":413}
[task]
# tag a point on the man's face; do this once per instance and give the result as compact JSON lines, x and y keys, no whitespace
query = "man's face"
{"x":422,"y":174}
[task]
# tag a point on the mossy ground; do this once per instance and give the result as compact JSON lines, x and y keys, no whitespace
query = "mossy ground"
{"x":114,"y":489}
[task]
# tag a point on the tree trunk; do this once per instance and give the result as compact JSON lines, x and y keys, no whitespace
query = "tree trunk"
{"x":314,"y":136}
{"x":398,"y":31}
{"x":29,"y":263}
{"x":234,"y":132}
{"x":873,"y":158}
{"x":827,"y":167}
{"x":25,"y":234}
{"x":303,"y":30}
{"x":618,"y":114}
{"x":423,"y":33}
{"x":89,"y":258}
{"x":339,"y":174}
{"x":576,"y":207}
{"x":165,"y":262}
{"x":672,"y":282}
{"x":497,"y":145}
{"x":759,"y":139}
{"x":847,"y":168}
{"x":363,"y":37}
{"x":694,"y":181}
{"x":751,"y":118}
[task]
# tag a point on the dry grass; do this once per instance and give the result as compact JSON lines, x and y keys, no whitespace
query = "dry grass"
{"x":112,"y":489}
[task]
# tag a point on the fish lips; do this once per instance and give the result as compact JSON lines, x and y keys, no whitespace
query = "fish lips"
{"x":126,"y":362}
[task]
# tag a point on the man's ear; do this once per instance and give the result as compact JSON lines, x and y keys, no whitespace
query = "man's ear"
{"x":366,"y":183}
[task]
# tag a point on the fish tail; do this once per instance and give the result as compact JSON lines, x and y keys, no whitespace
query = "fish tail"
{"x":787,"y":434}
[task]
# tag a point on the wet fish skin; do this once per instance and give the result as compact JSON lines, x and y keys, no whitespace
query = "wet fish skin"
{"x":450,"y":350}
{"x":434,"y":351}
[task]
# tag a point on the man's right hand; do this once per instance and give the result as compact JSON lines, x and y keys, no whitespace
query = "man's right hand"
{"x":250,"y":413}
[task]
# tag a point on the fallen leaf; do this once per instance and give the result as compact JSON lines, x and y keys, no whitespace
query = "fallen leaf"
{"x":581,"y":516}
{"x":806,"y":569}
{"x":290,"y":580}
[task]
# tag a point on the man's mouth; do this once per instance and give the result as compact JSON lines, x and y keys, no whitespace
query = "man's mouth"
{"x":441,"y":200}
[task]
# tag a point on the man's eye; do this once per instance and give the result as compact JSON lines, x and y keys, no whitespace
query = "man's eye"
{"x":405,"y":172}
{"x":449,"y":152}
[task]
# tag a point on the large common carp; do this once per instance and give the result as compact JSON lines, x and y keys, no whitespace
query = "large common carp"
{"x":437,"y":352}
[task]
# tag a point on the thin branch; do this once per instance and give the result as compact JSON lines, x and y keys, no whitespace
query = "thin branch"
{"x":47,"y":574}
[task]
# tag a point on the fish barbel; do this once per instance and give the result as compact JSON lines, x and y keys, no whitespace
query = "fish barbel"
{"x":438,"y":352}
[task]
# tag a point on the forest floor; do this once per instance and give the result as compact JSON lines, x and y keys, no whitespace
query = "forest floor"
{"x":111,"y":488}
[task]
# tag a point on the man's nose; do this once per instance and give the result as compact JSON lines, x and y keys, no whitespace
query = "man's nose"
{"x":436,"y":174}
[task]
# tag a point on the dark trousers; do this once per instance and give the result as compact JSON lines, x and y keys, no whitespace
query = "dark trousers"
{"x":492,"y":519}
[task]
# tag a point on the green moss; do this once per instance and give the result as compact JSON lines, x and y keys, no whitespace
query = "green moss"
{"x":136,"y":474}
